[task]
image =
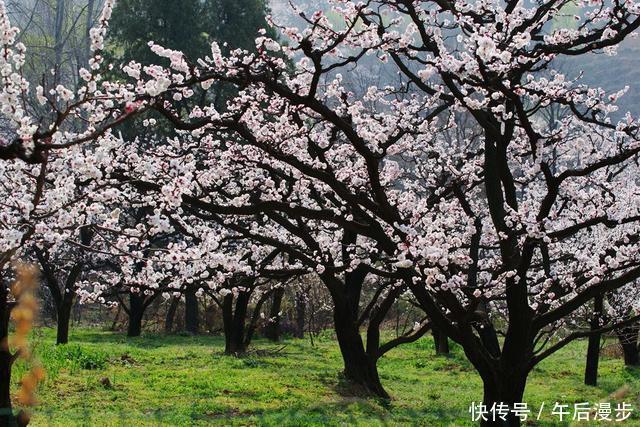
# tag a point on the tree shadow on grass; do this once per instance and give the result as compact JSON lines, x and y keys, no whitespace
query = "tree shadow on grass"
{"x":260,"y":347}
{"x":348,"y":411}
{"x":146,"y":341}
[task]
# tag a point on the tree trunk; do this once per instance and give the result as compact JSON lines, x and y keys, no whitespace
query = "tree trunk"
{"x":272,"y":330}
{"x":301,"y":308}
{"x":234,"y":323}
{"x":6,"y":360}
{"x":58,"y":35}
{"x":359,"y":367}
{"x":441,"y":342}
{"x":504,"y":380}
{"x":64,"y":317}
{"x":171,"y":315}
{"x":6,"y":413}
{"x":136,"y":312}
{"x":503,"y":388}
{"x":628,"y":337}
{"x":486,"y":331}
{"x":62,"y":298}
{"x":234,"y":347}
{"x":191,"y":318}
{"x":238,"y":341}
{"x":593,"y":349}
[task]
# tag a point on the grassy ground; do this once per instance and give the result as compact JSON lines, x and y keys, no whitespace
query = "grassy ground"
{"x":105,"y":379}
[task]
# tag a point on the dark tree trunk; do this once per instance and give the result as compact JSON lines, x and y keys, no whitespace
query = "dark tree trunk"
{"x":234,"y":346}
{"x":136,"y":312}
{"x":191,"y":317}
{"x":63,"y":296}
{"x":6,"y":415}
{"x":504,"y":380}
{"x":234,"y":323}
{"x":171,"y":315}
{"x":441,"y":342}
{"x":489,"y":338}
{"x":593,"y":349}
{"x":503,"y":388}
{"x":63,"y":319}
{"x":238,"y":324}
{"x":628,"y":337}
{"x":6,"y":360}
{"x":486,"y":331}
{"x":301,"y":308}
{"x":359,"y":367}
{"x":593,"y":356}
{"x":58,"y":35}
{"x":272,"y":330}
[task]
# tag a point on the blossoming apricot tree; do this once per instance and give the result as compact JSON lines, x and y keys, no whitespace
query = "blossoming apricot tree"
{"x":496,"y":221}
{"x":504,"y":216}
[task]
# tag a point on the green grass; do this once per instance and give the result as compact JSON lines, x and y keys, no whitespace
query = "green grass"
{"x":176,"y":381}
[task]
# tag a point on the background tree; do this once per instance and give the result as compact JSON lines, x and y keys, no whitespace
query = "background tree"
{"x":62,"y":269}
{"x":187,"y":26}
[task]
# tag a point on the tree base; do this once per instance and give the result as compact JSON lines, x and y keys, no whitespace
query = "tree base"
{"x":350,"y":387}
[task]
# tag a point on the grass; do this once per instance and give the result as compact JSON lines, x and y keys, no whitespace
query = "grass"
{"x":104,"y":378}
